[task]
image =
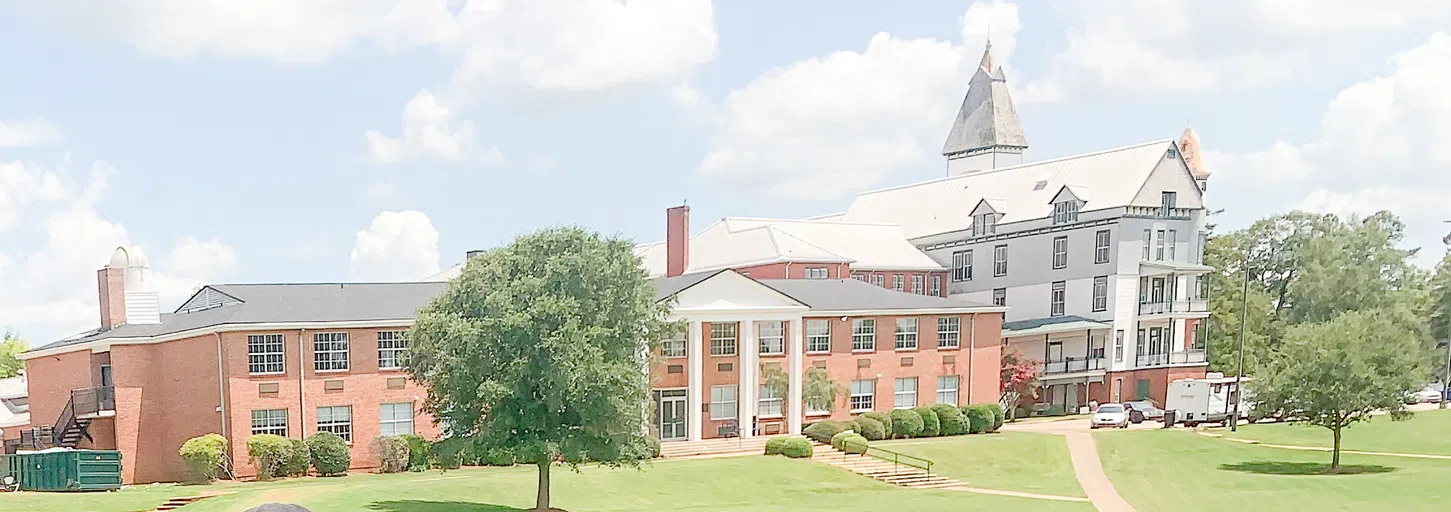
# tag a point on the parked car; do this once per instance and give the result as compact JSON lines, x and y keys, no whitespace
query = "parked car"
{"x":1426,"y":395}
{"x":1109,"y":415}
{"x":1140,"y":410}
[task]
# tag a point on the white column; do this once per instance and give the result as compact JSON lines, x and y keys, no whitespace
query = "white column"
{"x":748,"y":387}
{"x":693,"y":402}
{"x":795,"y":348}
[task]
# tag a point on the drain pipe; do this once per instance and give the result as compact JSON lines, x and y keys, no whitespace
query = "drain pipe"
{"x":222,"y":394}
{"x":301,"y":389}
{"x":971,"y":351}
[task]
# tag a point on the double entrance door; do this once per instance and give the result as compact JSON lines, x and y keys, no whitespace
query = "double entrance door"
{"x":670,"y":409}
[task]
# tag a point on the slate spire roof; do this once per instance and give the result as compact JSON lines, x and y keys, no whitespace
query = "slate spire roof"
{"x":987,"y":118}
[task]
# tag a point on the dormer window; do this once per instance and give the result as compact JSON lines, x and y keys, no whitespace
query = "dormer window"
{"x":984,"y":224}
{"x":1065,"y":212}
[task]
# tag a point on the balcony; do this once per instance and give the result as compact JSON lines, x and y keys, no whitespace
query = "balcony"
{"x":1073,"y":365}
{"x":1174,"y":307}
{"x":94,"y":402}
{"x":1186,"y":357}
{"x":1158,"y":212}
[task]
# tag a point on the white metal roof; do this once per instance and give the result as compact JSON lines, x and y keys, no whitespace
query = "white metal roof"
{"x":736,"y":242}
{"x":11,"y":388}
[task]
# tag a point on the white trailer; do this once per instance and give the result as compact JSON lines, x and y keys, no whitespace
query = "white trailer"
{"x":1207,"y":400}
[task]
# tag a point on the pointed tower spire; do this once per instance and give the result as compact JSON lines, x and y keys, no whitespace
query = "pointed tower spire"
{"x":986,"y":133}
{"x":1189,"y":146}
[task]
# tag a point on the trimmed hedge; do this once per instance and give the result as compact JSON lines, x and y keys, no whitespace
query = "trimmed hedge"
{"x":392,"y":453}
{"x":203,"y":456}
{"x":870,"y":428}
{"x":979,"y":417}
{"x":930,"y":425}
{"x":297,"y":459}
{"x":853,"y":443}
{"x":267,"y":453}
{"x":881,"y":417}
{"x":797,"y":448}
{"x":999,"y":416}
{"x":329,"y":452}
{"x":951,"y":419}
{"x":836,"y":439}
{"x":906,"y":423}
{"x":822,"y":431}
{"x":775,"y":445}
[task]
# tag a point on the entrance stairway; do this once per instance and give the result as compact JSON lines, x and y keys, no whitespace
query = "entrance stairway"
{"x":178,"y":502}
{"x":882,"y":470}
{"x":708,"y":448}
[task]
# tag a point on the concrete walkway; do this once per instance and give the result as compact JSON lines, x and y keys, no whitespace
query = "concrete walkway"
{"x":1089,"y":469}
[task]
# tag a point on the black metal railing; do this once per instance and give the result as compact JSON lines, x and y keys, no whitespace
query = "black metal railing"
{"x":33,"y":438}
{"x":896,"y":458}
{"x":93,"y":400}
{"x":1185,"y":357}
{"x":1174,"y":306}
{"x":1073,"y":364}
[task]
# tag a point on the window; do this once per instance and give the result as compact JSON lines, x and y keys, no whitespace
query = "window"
{"x":1060,"y":252}
{"x":1055,"y":302}
{"x":863,"y":394}
{"x":722,"y":402}
{"x":985,"y":224}
{"x":936,"y":290}
{"x":770,"y":402}
{"x":1118,"y":345}
{"x":391,"y":347}
{"x":264,"y":353}
{"x":816,"y":272}
{"x":1000,"y":261}
{"x":338,"y":420}
{"x":904,"y":393}
{"x":723,"y":338}
{"x":897,"y":282}
{"x":1159,"y":246}
{"x":1148,"y":241}
{"x":948,"y":331}
{"x":672,"y":348}
{"x":1095,"y":346}
{"x":818,"y":335}
{"x":917,"y":285}
{"x":772,"y":336}
{"x":962,"y":265}
{"x":269,"y":421}
{"x":330,"y":351}
{"x":1065,"y":212}
{"x":906,"y":334}
{"x":1203,"y":244}
{"x":947,"y":389}
{"x":877,"y":279}
{"x":1168,"y":200}
{"x":396,"y":419}
{"x":1100,"y":293}
{"x":816,"y":406}
{"x":1000,"y":296}
{"x":1169,"y":244}
{"x":863,"y":334}
{"x":1100,"y":246}
{"x":859,"y":277}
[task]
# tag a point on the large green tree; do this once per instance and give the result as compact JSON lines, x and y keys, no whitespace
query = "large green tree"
{"x":10,"y":348}
{"x":540,"y":348}
{"x":1338,"y":372}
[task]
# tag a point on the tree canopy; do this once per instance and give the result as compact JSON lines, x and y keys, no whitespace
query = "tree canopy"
{"x":540,"y":348}
{"x":10,"y":348}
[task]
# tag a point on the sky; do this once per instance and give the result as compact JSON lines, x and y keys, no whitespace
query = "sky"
{"x":376,"y":140}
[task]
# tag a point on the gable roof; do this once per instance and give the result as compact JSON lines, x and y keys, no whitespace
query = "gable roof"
{"x":736,"y":242}
{"x":844,"y":295}
{"x":943,"y":205}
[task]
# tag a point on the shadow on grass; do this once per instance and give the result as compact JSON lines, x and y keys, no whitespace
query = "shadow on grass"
{"x":1263,"y":467}
{"x":437,"y":506}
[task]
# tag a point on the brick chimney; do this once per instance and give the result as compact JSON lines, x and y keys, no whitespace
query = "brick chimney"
{"x":677,"y":240}
{"x":111,"y":284}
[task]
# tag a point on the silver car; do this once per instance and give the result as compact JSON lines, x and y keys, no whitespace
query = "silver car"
{"x":1109,"y":415}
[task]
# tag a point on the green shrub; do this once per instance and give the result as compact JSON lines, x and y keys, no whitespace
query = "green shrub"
{"x":979,"y":418}
{"x":930,"y":426}
{"x":797,"y":448}
{"x":654,"y":448}
{"x":447,"y":453}
{"x":417,"y":451}
{"x":203,"y":456}
{"x":775,"y":445}
{"x":328,"y":453}
{"x":950,"y":419}
{"x":884,"y":418}
{"x":822,"y":431}
{"x":1053,"y":410}
{"x":268,"y":452}
{"x":854,"y":443}
{"x":906,"y":423}
{"x":392,"y":453}
{"x":296,"y":460}
{"x":499,"y":457}
{"x":869,"y":428}
{"x":836,"y":439}
{"x":999,"y":416}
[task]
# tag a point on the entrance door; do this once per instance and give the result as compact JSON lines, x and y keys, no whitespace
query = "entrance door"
{"x":671,"y":414}
{"x":1055,"y":352}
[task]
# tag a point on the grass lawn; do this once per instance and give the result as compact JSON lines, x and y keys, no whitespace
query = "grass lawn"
{"x":731,"y":484}
{"x":1176,"y":470}
{"x":1426,"y":432}
{"x":1010,"y":461}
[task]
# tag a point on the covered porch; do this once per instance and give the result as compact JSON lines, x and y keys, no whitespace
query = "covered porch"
{"x":1073,"y":352}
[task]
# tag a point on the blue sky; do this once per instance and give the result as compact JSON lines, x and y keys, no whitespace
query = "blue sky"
{"x":230,"y":142}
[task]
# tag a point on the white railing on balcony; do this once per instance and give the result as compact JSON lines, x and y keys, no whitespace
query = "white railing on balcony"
{"x":1073,"y":364}
{"x":1158,"y":212}
{"x":1185,"y":357}
{"x":1174,"y":306}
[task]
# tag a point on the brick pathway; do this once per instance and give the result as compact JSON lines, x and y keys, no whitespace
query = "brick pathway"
{"x":1089,"y":469}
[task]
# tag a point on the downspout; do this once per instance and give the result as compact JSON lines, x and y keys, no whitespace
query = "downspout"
{"x":788,"y":271}
{"x":301,"y":389}
{"x":222,"y":390}
{"x":971,"y":351}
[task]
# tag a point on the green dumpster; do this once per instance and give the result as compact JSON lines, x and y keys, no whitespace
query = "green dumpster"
{"x":75,"y":470}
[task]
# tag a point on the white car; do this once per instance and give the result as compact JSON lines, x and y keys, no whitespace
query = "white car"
{"x":1109,"y":415}
{"x":1426,"y":395}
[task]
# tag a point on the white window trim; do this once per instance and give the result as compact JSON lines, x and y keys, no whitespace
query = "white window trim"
{"x":398,"y":338}
{"x":281,"y":352}
{"x":816,"y":273}
{"x":734,"y":339}
{"x":1005,"y":296}
{"x":898,"y":283}
{"x":962,"y":266}
{"x":1058,"y":298}
{"x":779,"y":337}
{"x":684,"y":349}
{"x":269,"y":428}
{"x":334,"y":423}
{"x":955,"y":324}
{"x":1102,"y":239}
{"x":1000,"y":260}
{"x":898,"y":393}
{"x":902,"y":339}
{"x":346,"y":351}
{"x":935,"y":289}
{"x":1099,"y":301}
{"x":383,"y":422}
{"x":870,"y":335}
{"x":870,"y":395}
{"x":734,"y":406}
{"x":1060,"y":252}
{"x":818,"y":336}
{"x":779,"y":404}
{"x":955,"y":389}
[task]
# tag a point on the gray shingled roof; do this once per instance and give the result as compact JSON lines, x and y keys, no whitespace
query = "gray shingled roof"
{"x":826,"y":295}
{"x":987,"y":117}
{"x":667,"y":286}
{"x":1023,"y":325}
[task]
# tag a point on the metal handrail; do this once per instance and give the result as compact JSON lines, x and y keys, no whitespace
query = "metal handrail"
{"x":895,"y":458}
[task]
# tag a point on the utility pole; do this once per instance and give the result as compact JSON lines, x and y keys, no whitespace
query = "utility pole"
{"x":1243,"y":318}
{"x":1446,"y":379}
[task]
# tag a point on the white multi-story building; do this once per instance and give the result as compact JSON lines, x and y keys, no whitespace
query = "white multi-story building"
{"x":1099,"y":257}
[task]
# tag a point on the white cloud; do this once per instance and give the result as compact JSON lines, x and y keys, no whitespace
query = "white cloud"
{"x":380,"y":191}
{"x":848,"y":120}
{"x":22,"y":185}
{"x":397,"y":246}
{"x":27,"y":132}
{"x":430,"y":131}
{"x":1128,"y":47}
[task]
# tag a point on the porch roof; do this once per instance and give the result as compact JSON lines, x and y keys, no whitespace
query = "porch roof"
{"x":1178,"y":266}
{"x":1050,"y":325}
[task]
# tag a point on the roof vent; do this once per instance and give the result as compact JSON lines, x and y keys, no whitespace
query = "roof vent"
{"x":1040,"y":185}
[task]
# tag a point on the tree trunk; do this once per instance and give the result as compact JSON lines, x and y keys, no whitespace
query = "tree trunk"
{"x":1335,"y":458}
{"x":541,"y":500}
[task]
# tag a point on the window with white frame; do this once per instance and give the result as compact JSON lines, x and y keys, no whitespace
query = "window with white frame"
{"x":1100,"y":246}
{"x":1065,"y":212}
{"x":859,"y":277}
{"x":672,"y":348}
{"x":897,"y":282}
{"x":816,"y":272}
{"x":1173,"y":236}
{"x":723,"y":337}
{"x":772,"y":335}
{"x":877,"y":279}
{"x":1000,"y":296}
{"x":1100,"y":293}
{"x":917,"y":285}
{"x":1159,"y":246}
{"x":936,"y":290}
{"x":264,"y":354}
{"x":1118,"y":345}
{"x":1148,"y":242}
{"x":947,"y":389}
{"x":1000,"y":260}
{"x":984,"y":224}
{"x":949,"y":329}
{"x":1095,"y":346}
{"x":336,"y":419}
{"x":863,"y":334}
{"x":1060,"y":252}
{"x":722,"y":402}
{"x":329,"y":351}
{"x":391,"y":347}
{"x":395,"y":419}
{"x":1169,"y":200}
{"x":962,"y":265}
{"x":770,"y":402}
{"x":1203,"y":244}
{"x":863,"y":394}
{"x":906,"y":334}
{"x":1055,"y":299}
{"x":904,"y":393}
{"x":818,"y":335}
{"x":269,"y":421}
